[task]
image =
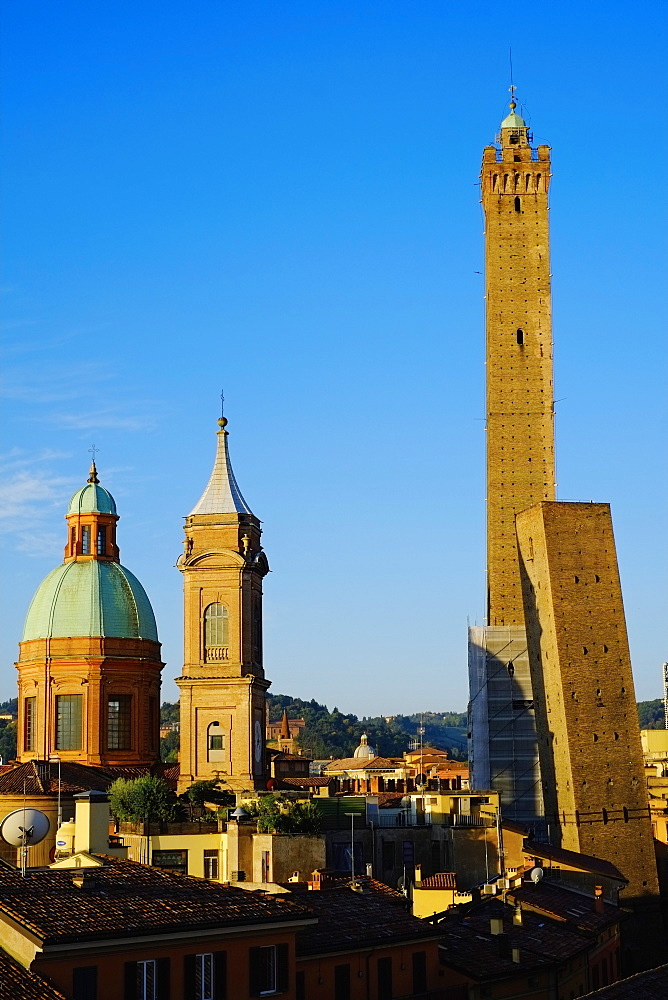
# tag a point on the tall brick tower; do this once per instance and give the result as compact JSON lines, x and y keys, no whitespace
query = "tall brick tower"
{"x":515,"y":179}
{"x":591,"y":757}
{"x":223,"y":686}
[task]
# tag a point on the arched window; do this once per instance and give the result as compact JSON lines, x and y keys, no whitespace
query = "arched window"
{"x":518,"y":205}
{"x":216,"y":626}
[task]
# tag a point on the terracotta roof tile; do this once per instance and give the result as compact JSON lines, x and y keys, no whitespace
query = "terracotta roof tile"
{"x":311,"y":782}
{"x":652,"y":985}
{"x":573,"y":907}
{"x":363,"y":764}
{"x":17,"y":983}
{"x":469,"y":945}
{"x":125,"y":898}
{"x":597,"y":866}
{"x":352,"y":920}
{"x":41,"y":777}
{"x":442,"y":880}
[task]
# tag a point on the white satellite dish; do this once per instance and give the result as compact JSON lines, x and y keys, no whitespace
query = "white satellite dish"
{"x":24,"y":827}
{"x":536,"y":874}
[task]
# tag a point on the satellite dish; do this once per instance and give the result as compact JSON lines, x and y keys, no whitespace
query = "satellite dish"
{"x":536,"y":874}
{"x":24,"y":827}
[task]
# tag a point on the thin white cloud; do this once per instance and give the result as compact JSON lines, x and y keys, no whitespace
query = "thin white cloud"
{"x":109,"y":420}
{"x":24,"y":495}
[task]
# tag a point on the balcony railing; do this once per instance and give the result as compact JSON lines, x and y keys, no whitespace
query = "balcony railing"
{"x":216,"y":653}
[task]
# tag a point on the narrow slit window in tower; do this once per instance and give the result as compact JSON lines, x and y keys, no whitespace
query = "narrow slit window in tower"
{"x":520,"y":337}
{"x":85,"y":540}
{"x":101,"y":541}
{"x":518,"y":205}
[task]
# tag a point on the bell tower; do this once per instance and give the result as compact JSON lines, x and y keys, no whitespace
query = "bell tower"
{"x":520,"y":435}
{"x":514,"y":182}
{"x":223,"y":686}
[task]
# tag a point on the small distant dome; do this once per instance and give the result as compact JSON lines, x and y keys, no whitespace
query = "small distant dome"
{"x":92,"y":499}
{"x":90,"y":598}
{"x":513,"y":120}
{"x":364,"y":750}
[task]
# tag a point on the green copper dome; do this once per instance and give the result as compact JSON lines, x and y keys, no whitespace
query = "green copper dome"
{"x":513,"y":120}
{"x":90,"y":597}
{"x":92,"y":499}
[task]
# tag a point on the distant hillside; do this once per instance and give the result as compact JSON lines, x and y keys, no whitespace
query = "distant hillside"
{"x":651,"y":714}
{"x":335,"y":734}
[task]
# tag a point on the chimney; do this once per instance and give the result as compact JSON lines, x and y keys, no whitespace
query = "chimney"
{"x":516,"y":956}
{"x":517,"y":915}
{"x":84,"y":878}
{"x":505,"y":951}
{"x":418,"y":875}
{"x":496,"y":925}
{"x":599,"y":904}
{"x":318,"y":878}
{"x":91,"y":821}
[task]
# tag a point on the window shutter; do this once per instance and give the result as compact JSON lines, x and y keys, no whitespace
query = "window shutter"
{"x":84,"y":982}
{"x":162,"y":970}
{"x":254,"y":972}
{"x":220,"y":975}
{"x":130,"y":979}
{"x":282,"y":970}
{"x":189,"y":977}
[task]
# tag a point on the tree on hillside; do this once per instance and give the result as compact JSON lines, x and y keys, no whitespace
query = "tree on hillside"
{"x":651,"y":714}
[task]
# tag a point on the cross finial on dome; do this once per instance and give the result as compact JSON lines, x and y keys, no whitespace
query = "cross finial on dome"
{"x":92,"y":474}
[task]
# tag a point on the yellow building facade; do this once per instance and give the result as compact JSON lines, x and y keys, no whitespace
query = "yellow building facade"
{"x":222,"y":686}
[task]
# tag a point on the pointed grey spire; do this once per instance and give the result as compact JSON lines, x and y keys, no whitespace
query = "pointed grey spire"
{"x":222,"y":495}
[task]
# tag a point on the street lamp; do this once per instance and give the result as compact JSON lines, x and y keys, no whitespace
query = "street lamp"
{"x":54,"y":757}
{"x":352,"y":848}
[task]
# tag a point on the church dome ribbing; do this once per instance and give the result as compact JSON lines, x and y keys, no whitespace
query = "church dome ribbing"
{"x":92,"y":498}
{"x":90,"y":598}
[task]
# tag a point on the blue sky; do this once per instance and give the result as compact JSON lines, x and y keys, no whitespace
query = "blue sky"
{"x":281,"y":199}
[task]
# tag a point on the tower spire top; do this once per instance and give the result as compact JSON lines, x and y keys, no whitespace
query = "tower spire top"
{"x":222,"y":494}
{"x":92,"y":472}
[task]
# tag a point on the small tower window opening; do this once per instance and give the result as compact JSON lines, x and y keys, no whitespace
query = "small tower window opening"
{"x":520,"y":337}
{"x":215,"y":742}
{"x":85,"y":540}
{"x":514,"y":138}
{"x":119,"y":719}
{"x":29,"y":719}
{"x":216,"y":629}
{"x":101,"y":541}
{"x":518,"y":205}
{"x":73,"y":541}
{"x":257,"y":630}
